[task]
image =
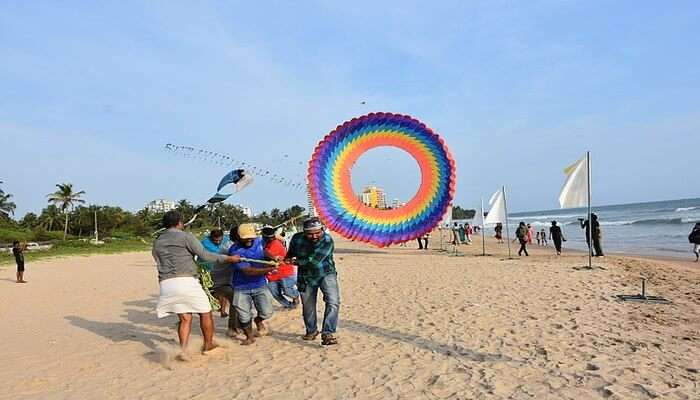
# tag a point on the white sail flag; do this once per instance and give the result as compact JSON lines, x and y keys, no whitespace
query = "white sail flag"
{"x":497,"y":212}
{"x":447,"y":218}
{"x":574,"y":193}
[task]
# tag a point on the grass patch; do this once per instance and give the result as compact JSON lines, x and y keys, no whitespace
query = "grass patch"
{"x":77,"y":247}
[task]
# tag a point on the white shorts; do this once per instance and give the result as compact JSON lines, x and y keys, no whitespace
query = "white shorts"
{"x":181,"y":296}
{"x":696,"y":248}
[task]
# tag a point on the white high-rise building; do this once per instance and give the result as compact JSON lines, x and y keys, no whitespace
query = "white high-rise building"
{"x":161,"y":205}
{"x":310,"y":203}
{"x":247,"y":211}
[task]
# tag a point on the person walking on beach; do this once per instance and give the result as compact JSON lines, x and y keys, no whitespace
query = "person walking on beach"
{"x":537,"y":238}
{"x":469,"y":231}
{"x":18,"y":251}
{"x":249,"y":283}
{"x":529,"y":234}
{"x":521,"y":234}
{"x":557,"y":236}
{"x":282,"y":284}
{"x":180,"y":291}
{"x":543,"y":237}
{"x":694,"y":238}
{"x":312,"y":250}
{"x":422,"y":241}
{"x":499,"y":232}
{"x":455,"y":234}
{"x":596,"y":234}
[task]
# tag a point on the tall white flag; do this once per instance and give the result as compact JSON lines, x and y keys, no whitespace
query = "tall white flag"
{"x":497,"y":212}
{"x":574,"y":193}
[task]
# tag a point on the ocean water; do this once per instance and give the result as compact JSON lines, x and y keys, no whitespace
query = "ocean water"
{"x":658,"y":228}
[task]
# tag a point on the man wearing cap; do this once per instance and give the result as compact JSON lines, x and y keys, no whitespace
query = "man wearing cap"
{"x":282,"y":284}
{"x":249,"y":283}
{"x":312,"y":251}
{"x":180,"y":291}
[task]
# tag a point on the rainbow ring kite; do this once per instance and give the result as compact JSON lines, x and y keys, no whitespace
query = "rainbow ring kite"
{"x":330,"y":182}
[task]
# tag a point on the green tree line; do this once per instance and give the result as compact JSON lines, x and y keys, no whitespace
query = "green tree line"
{"x":67,"y":216}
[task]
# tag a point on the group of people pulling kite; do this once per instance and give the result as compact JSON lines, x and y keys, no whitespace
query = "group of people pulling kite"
{"x":260,"y":268}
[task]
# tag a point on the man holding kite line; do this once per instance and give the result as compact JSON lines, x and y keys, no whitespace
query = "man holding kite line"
{"x":249,"y":283}
{"x":312,"y":251}
{"x":180,"y":291}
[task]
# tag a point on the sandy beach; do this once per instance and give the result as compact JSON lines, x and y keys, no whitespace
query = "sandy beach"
{"x":414,"y":325}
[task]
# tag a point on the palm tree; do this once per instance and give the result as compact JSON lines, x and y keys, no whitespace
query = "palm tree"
{"x":49,"y":216}
{"x":65,"y":199}
{"x":6,"y":206}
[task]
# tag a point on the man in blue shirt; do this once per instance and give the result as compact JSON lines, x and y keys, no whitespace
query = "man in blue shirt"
{"x":249,"y":283}
{"x":312,"y":251}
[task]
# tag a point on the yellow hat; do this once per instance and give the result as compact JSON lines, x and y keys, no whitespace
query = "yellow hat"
{"x":247,"y":231}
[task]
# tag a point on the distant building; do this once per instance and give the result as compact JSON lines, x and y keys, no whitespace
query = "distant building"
{"x":395,"y":203}
{"x":310,"y":203}
{"x":161,"y":205}
{"x":247,"y":211}
{"x":374,"y":197}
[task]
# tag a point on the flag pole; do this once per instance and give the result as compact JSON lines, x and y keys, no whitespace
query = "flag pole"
{"x":483,"y":229}
{"x":505,"y":207}
{"x":590,"y":221}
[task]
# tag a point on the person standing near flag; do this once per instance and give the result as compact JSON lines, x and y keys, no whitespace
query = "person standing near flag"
{"x":521,"y":234}
{"x":557,"y":236}
{"x":596,"y":234}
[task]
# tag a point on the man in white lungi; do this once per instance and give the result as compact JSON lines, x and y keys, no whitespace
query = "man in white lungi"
{"x":180,"y":290}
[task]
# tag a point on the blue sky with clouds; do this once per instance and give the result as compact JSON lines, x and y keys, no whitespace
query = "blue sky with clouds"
{"x":90,"y":94}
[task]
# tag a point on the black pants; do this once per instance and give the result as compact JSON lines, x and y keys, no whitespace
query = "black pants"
{"x":557,"y":244}
{"x":420,"y":243}
{"x":597,"y":248}
{"x":227,"y":291}
{"x":523,"y":245}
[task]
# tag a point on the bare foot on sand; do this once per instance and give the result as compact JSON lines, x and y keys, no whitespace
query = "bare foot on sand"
{"x":184,"y":357}
{"x":261,"y":329}
{"x":234,"y":333}
{"x":213,"y":349}
{"x":247,"y":342}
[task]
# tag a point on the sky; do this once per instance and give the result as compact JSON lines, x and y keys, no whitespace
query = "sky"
{"x":90,"y":93}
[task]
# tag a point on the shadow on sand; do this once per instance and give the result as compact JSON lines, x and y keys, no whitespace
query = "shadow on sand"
{"x":359,"y":251}
{"x":426,"y":344}
{"x":143,"y":327}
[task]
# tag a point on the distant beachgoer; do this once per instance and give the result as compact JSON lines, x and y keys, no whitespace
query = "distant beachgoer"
{"x":425,"y":240}
{"x":18,"y":251}
{"x":282,"y":284}
{"x":249,"y":283}
{"x":543,"y":237}
{"x":462,"y":234}
{"x":499,"y":232}
{"x":312,"y":250}
{"x":529,"y":234}
{"x":521,"y":234}
{"x":694,"y":238}
{"x":469,"y":231}
{"x":537,"y":238}
{"x":557,"y":236}
{"x":180,"y":292}
{"x":455,"y":234}
{"x":596,"y":235}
